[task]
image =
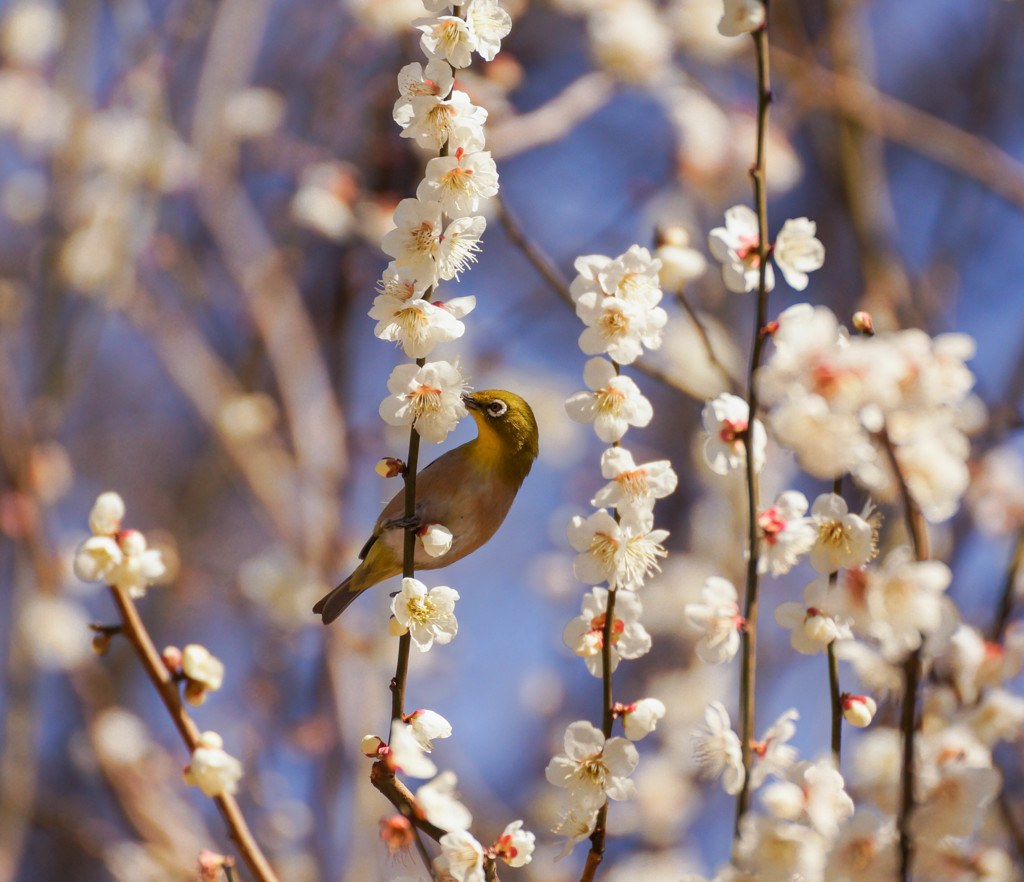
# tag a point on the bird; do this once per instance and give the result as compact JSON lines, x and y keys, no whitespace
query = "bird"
{"x":469,"y":490}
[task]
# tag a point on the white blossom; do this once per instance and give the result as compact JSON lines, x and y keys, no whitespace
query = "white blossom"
{"x":718,"y":749}
{"x":489,"y":24}
{"x":741,"y":17}
{"x":405,"y":752}
{"x":844,"y":540}
{"x":735,"y":246}
{"x":798,"y":252}
{"x":785,"y":533}
{"x":815,"y":622}
{"x":428,"y":397}
{"x":584,"y":634}
{"x":428,"y":614}
{"x":614,"y":404}
{"x":428,"y":725}
{"x":430,"y":120}
{"x":436,"y":539}
{"x":461,"y":181}
{"x":446,"y":37}
{"x":718,"y":617}
{"x":416,"y":324}
{"x":633,"y":488}
{"x":212,"y":770}
{"x":641,"y":717}
{"x":725,"y":420}
{"x":438,"y":800}
{"x":774,"y":755}
{"x":593,"y":769}
{"x":515,"y":846}
{"x":620,"y":553}
{"x":462,"y":857}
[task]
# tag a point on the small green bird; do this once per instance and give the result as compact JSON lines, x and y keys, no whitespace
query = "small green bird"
{"x":469,"y":490}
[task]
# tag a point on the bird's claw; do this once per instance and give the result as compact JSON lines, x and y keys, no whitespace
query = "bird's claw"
{"x":410,"y":522}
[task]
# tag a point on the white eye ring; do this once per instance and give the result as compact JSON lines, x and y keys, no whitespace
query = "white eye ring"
{"x":497,"y":408}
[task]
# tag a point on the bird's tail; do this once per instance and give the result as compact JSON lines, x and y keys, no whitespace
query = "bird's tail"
{"x":333,"y":604}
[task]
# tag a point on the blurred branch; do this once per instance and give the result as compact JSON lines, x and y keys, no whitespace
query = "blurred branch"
{"x":553,"y":120}
{"x":976,"y":158}
{"x":136,"y":634}
{"x":274,"y":300}
{"x":864,"y":178}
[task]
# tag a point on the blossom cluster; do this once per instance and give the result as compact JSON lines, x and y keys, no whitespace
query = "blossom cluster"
{"x":839,"y":401}
{"x":120,"y":557}
{"x":617,"y":301}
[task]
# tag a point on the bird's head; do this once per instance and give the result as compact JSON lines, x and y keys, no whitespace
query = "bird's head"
{"x":508,"y":430}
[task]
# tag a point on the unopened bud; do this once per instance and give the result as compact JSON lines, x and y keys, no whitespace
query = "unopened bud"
{"x":100,"y":643}
{"x":211,"y":864}
{"x":859,"y":710}
{"x":371,"y":746}
{"x":396,"y":628}
{"x":390,"y":467}
{"x":172,"y":659}
{"x":132,"y":542}
{"x":769,"y":329}
{"x":435,"y":538}
{"x":862,"y":322}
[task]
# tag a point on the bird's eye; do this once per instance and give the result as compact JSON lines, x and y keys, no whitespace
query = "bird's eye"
{"x":497,"y":408}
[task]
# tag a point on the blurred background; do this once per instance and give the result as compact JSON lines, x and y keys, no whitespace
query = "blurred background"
{"x":192,"y":197}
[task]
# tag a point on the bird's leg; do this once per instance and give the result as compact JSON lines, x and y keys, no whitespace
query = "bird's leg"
{"x":412,"y":523}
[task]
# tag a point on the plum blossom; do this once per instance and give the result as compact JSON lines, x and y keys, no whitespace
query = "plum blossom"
{"x":641,"y":717}
{"x":633,"y":488}
{"x":405,"y":752}
{"x":815,"y":622}
{"x":428,"y":397}
{"x":447,"y":38}
{"x":584,"y":635}
{"x":725,"y":420}
{"x":460,"y":181}
{"x":775,"y":850}
{"x":438,"y":800}
{"x":428,"y":725}
{"x":515,"y":845}
{"x":864,"y":848}
{"x":797,"y":252}
{"x":620,"y":553}
{"x":718,"y":749}
{"x":741,"y":17}
{"x":489,"y":24}
{"x":785,"y":533}
{"x":718,"y":617}
{"x":575,"y":825}
{"x":212,"y":770}
{"x":735,"y":245}
{"x":904,"y":601}
{"x":116,"y":556}
{"x":592,"y":768}
{"x":844,"y":540}
{"x":811,"y":791}
{"x":430,"y":120}
{"x":428,"y":614}
{"x":205,"y":672}
{"x":618,"y":300}
{"x":614,"y":404}
{"x":416,"y":324}
{"x":462,"y":857}
{"x":107,"y":513}
{"x":773,"y":754}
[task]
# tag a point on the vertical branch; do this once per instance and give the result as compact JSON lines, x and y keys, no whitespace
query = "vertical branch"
{"x":837,"y":706}
{"x":749,"y":648}
{"x":911,"y":666}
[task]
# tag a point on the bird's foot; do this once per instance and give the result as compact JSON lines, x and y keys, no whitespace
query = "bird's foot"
{"x":411,"y":523}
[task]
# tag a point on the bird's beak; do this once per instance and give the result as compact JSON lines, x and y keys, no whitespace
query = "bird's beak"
{"x":470,"y":402}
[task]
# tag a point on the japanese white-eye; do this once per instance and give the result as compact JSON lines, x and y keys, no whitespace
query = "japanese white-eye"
{"x":469,"y":490}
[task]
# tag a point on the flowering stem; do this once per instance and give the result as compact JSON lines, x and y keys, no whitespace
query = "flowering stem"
{"x":702,"y":332}
{"x":238,"y":830}
{"x":408,"y":569}
{"x":911,"y":667}
{"x":749,"y":635}
{"x":837,"y":706}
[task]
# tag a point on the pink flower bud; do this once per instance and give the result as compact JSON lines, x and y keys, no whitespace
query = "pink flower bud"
{"x":396,"y":833}
{"x":172,"y":659}
{"x":371,"y":746}
{"x":862,"y":322}
{"x":390,"y":467}
{"x":859,"y":710}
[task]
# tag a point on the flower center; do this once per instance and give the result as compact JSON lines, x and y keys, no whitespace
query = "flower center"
{"x":771,"y":524}
{"x":731,"y":432}
{"x":610,"y":400}
{"x":604,"y":547}
{"x":421,"y":610}
{"x":425,"y":399}
{"x":633,"y":485}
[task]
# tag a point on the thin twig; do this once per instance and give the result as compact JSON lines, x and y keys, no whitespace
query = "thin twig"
{"x":137,"y":635}
{"x":1002,"y":618}
{"x":837,"y":706}
{"x":911,"y":667}
{"x":702,"y":332}
{"x":749,"y":635}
